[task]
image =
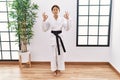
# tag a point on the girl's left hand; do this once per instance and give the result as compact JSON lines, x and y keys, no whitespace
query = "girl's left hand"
{"x":66,"y":15}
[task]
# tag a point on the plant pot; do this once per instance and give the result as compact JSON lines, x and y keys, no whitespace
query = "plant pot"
{"x":24,"y":57}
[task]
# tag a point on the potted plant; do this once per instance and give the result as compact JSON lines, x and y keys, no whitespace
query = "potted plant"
{"x":24,"y":16}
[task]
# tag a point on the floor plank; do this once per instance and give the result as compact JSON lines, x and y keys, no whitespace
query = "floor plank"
{"x":73,"y":72}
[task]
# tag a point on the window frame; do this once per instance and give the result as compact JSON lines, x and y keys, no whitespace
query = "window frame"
{"x":109,"y":26}
{"x":10,"y":51}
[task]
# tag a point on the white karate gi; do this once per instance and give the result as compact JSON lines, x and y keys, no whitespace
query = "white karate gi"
{"x":57,"y":61}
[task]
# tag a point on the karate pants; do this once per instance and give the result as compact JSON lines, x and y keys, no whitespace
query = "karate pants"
{"x":57,"y":61}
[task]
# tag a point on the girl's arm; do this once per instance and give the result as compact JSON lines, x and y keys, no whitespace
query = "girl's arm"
{"x":45,"y":26}
{"x":67,"y":24}
{"x":67,"y":21}
{"x":45,"y":23}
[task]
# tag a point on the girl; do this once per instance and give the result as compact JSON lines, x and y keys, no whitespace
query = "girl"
{"x":56,"y":24}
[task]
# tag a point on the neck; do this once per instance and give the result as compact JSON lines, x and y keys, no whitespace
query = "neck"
{"x":56,"y":17}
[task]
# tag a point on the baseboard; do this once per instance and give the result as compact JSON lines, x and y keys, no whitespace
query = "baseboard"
{"x":47,"y":62}
{"x":87,"y":63}
{"x":9,"y":62}
{"x":114,"y":69}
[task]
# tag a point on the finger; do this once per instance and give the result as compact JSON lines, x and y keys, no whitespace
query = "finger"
{"x":67,"y":12}
{"x":43,"y":14}
{"x":64,"y":16}
{"x":46,"y":16}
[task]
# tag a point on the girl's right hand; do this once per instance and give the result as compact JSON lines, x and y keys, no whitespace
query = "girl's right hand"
{"x":44,"y":16}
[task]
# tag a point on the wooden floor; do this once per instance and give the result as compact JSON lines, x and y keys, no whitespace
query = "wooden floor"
{"x":73,"y":71}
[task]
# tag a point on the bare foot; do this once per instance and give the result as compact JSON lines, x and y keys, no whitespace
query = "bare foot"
{"x":58,"y":72}
{"x":55,"y":73}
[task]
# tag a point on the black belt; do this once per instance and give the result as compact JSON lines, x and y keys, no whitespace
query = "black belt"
{"x":56,"y":33}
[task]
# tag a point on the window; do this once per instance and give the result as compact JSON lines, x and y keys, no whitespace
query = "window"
{"x":93,"y":22}
{"x":8,"y":44}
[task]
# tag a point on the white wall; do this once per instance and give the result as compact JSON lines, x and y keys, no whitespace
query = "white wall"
{"x":39,"y":44}
{"x":115,"y":39}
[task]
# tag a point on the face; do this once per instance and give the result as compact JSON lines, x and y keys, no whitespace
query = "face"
{"x":55,"y":11}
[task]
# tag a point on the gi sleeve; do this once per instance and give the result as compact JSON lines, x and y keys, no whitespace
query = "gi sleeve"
{"x":67,"y":24}
{"x":45,"y":25}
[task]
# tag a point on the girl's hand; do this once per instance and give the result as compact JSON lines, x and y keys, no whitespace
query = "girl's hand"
{"x":44,"y":16}
{"x":66,"y":15}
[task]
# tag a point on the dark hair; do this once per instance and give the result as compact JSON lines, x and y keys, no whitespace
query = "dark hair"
{"x":55,"y":6}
